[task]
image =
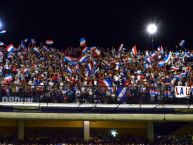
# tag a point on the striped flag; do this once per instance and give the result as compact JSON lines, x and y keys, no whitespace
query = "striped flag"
{"x":82,"y":42}
{"x":167,"y":58}
{"x":49,"y":42}
{"x":107,"y":83}
{"x":69,"y":70}
{"x":122,"y":94}
{"x":85,"y":49}
{"x":90,"y":66}
{"x":93,"y":48}
{"x":68,"y":59}
{"x":83,"y":59}
{"x":161,"y":63}
{"x":174,"y":68}
{"x":134,"y":50}
{"x":160,"y":49}
{"x":10,"y":48}
{"x":8,"y":78}
{"x":35,"y":50}
{"x":96,"y":52}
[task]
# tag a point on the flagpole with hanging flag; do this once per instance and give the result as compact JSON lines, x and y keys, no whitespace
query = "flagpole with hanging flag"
{"x":82,"y":42}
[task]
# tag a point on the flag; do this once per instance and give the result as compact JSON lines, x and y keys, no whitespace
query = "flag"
{"x":33,"y":41}
{"x":23,"y":44}
{"x":82,"y":42}
{"x":167,"y":58}
{"x":10,"y":55}
{"x":154,"y":54}
{"x":67,"y":59}
{"x":85,"y":49}
{"x":161,"y":63}
{"x":1,"y":43}
{"x":177,"y":77}
{"x":10,"y":48}
{"x":117,"y":66}
{"x":93,"y":48}
{"x":174,"y":68}
{"x":122,"y":94}
{"x":8,"y":78}
{"x":134,"y":50}
{"x":96,"y":52}
{"x":49,"y":42}
{"x":69,"y":70}
{"x":35,"y":50}
{"x":90,"y":66}
{"x":182,"y":43}
{"x":160,"y":49}
{"x":83,"y":59}
{"x":107,"y":83}
{"x":120,"y":47}
{"x":149,"y":59}
{"x":184,"y":74}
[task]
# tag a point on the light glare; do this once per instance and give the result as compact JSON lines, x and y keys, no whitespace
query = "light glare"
{"x":151,"y":28}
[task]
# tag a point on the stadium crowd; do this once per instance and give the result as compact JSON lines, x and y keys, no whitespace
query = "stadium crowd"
{"x":130,"y":140}
{"x":98,"y":75}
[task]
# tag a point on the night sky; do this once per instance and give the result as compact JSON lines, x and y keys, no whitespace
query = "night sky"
{"x":102,"y":22}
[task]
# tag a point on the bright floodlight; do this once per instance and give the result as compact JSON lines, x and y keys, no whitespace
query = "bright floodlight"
{"x":3,"y":31}
{"x":1,"y":24}
{"x":151,"y":28}
{"x":114,"y":133}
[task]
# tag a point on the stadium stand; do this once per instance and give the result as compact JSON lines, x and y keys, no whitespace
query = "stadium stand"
{"x":35,"y":72}
{"x":45,"y":90}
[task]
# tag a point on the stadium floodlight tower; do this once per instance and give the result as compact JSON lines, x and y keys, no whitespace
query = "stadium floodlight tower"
{"x":152,"y":30}
{"x":1,"y":26}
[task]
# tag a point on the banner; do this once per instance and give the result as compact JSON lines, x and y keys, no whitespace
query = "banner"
{"x":182,"y":91}
{"x":16,"y":99}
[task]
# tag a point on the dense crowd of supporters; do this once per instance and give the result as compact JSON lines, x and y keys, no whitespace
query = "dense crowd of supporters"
{"x":131,"y":140}
{"x":98,"y":75}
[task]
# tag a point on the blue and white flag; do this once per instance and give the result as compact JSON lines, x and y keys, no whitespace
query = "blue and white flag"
{"x":83,"y":59}
{"x":122,"y":94}
{"x":161,"y":63}
{"x":67,"y":59}
{"x":36,"y":50}
{"x":167,"y":58}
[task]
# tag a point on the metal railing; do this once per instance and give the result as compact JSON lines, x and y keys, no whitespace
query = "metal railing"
{"x":91,"y":94}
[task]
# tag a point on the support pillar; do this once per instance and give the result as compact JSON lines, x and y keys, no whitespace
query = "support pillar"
{"x":150,"y":131}
{"x":86,"y":126}
{"x":21,"y":129}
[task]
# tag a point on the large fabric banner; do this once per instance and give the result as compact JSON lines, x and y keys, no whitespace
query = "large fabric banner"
{"x":182,"y":91}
